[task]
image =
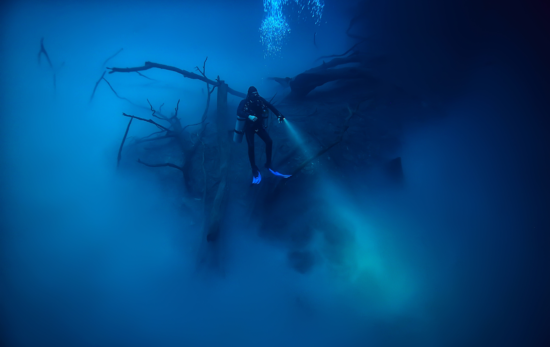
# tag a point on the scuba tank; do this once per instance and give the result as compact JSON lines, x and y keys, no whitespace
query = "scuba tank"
{"x":239,"y":127}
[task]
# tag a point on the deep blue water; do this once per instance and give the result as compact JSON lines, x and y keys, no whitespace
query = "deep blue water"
{"x":95,"y":256}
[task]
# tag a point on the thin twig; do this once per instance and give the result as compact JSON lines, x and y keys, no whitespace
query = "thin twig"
{"x":203,"y":72}
{"x":177,"y":107}
{"x":122,"y":144}
{"x":167,"y":136}
{"x":154,"y":112}
{"x":205,"y":183}
{"x":111,"y":57}
{"x":120,"y":97}
{"x":205,"y":113}
{"x":191,"y":125}
{"x":96,"y":84}
{"x":43,"y":51}
{"x":156,"y":132}
{"x":270,"y":101}
{"x":142,"y":75}
{"x":161,"y":165}
{"x":148,"y":121}
{"x":123,"y":98}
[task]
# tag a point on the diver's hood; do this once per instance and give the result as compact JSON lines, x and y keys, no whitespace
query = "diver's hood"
{"x":253,"y":93}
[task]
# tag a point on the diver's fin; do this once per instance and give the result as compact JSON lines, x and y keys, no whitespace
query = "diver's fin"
{"x":257,"y":179}
{"x":279,"y":174}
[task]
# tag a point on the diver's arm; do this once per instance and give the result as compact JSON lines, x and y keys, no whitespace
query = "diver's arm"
{"x":271,"y":107}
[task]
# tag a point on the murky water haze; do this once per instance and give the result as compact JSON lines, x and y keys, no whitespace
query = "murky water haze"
{"x":94,"y":256}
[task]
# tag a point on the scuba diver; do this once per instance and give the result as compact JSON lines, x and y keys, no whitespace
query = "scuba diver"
{"x":252,"y":117}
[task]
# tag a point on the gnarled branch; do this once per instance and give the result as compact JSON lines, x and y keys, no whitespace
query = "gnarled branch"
{"x":154,"y":112}
{"x":149,"y":65}
{"x":54,"y":70}
{"x":148,"y":121}
{"x":167,"y":136}
{"x":161,"y":165}
{"x":97,"y":83}
{"x":122,"y":144}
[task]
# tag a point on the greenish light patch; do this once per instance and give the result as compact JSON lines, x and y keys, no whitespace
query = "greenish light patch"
{"x":381,"y":278}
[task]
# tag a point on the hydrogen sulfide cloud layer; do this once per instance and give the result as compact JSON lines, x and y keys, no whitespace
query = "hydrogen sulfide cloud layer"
{"x":274,"y":173}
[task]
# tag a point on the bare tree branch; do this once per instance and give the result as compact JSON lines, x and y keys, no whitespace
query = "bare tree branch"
{"x":111,"y":57}
{"x":270,"y":101}
{"x":142,"y":75}
{"x":156,"y":132}
{"x":190,"y":125}
{"x":161,"y":165}
{"x":120,"y":97}
{"x":148,"y":121}
{"x":177,"y":108}
{"x":204,"y":114}
{"x":149,"y":65}
{"x":168,"y":136}
{"x":96,"y":84}
{"x":203,"y":72}
{"x":154,"y":112}
{"x":205,"y":183}
{"x":122,"y":144}
{"x":43,"y":51}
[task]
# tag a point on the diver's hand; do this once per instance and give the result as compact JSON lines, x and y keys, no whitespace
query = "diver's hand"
{"x":252,"y":118}
{"x":281,"y":118}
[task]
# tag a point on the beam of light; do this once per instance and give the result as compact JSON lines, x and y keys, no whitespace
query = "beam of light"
{"x":299,"y":139}
{"x":296,"y":136}
{"x":275,"y":28}
{"x":378,"y":273}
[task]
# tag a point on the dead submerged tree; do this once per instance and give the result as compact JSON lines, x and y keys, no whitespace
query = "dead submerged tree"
{"x":171,"y":129}
{"x":305,"y":82}
{"x":214,"y":192}
{"x":43,"y":51}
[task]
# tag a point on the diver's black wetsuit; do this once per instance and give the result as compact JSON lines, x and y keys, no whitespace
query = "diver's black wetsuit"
{"x":255,"y":105}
